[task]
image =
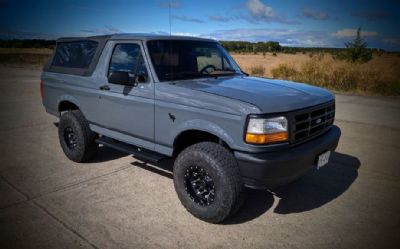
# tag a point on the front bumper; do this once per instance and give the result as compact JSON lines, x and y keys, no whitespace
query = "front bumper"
{"x":271,"y":169}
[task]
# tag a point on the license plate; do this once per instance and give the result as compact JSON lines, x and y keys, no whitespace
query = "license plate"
{"x":323,"y":159}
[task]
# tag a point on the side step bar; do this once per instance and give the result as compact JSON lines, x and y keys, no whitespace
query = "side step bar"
{"x":138,"y":152}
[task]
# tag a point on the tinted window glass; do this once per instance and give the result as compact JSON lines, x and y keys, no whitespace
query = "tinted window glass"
{"x":77,"y":54}
{"x":187,"y":59}
{"x":128,"y":58}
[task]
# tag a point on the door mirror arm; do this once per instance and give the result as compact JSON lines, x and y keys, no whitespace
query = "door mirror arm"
{"x":140,"y":78}
{"x":119,"y":77}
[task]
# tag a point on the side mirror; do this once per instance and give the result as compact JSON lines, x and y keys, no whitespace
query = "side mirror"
{"x":119,"y":77}
{"x":141,"y":78}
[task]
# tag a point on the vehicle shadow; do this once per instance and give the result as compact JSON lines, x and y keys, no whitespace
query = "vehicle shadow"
{"x":257,"y":203}
{"x":163,"y":167}
{"x":315,"y":189}
{"x":106,"y":154}
{"x":311,"y":191}
{"x":318,"y":187}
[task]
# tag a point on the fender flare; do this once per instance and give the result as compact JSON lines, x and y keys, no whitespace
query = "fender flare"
{"x":67,"y":98}
{"x":205,"y":126}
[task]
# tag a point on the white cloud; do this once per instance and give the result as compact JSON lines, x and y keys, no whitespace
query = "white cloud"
{"x":187,"y":19}
{"x":108,"y":29}
{"x":259,"y":12}
{"x":258,"y":9}
{"x":286,"y":37}
{"x":346,"y":33}
{"x":184,"y":34}
{"x":171,"y":4}
{"x":314,"y":14}
{"x":121,"y":57}
{"x":219,"y":18}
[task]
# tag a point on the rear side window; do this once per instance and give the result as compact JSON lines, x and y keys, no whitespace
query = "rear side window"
{"x":76,"y":54}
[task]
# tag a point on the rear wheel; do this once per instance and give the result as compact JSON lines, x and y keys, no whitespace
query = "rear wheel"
{"x":76,"y":138}
{"x":208,"y":182}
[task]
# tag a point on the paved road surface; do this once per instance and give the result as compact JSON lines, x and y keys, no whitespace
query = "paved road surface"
{"x":116,"y":201}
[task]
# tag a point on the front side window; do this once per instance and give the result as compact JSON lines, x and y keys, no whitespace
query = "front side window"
{"x":76,"y":54}
{"x":128,"y":58}
{"x":188,"y":59}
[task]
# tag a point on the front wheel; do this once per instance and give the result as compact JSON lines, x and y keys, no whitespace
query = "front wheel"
{"x":208,"y":182}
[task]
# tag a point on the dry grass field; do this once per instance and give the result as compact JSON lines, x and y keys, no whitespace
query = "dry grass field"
{"x":24,"y":57}
{"x":380,"y":76}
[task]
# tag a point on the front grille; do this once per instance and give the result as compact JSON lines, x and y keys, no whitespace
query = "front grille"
{"x":312,"y":121}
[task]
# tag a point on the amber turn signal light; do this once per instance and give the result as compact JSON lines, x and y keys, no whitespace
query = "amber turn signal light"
{"x":266,"y":138}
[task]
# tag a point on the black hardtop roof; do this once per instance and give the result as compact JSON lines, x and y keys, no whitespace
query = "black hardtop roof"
{"x":132,"y":36}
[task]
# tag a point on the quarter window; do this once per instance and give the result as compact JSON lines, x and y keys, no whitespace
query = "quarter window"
{"x":77,"y":54}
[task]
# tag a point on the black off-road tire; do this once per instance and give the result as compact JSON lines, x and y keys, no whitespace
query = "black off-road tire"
{"x":84,"y":147}
{"x":222,"y":167}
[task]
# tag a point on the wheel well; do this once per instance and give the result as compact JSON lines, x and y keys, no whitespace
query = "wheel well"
{"x":190,"y":137}
{"x":67,"y":106}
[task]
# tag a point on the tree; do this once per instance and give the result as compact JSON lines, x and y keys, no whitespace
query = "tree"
{"x":248,"y":47}
{"x":357,"y":50}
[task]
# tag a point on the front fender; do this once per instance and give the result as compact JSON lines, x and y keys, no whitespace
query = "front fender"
{"x":206,"y":126}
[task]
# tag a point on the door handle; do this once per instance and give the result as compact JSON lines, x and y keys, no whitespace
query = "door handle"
{"x":105,"y":87}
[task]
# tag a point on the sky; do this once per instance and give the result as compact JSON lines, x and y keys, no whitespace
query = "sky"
{"x":307,"y":23}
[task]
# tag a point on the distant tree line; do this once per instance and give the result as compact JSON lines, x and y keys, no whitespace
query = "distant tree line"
{"x":27,"y":43}
{"x":272,"y":46}
{"x":249,"y":47}
{"x":354,"y":50}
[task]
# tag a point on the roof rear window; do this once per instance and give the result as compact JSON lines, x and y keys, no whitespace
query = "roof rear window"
{"x":76,"y":54}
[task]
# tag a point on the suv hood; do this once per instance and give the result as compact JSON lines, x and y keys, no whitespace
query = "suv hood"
{"x":268,"y":95}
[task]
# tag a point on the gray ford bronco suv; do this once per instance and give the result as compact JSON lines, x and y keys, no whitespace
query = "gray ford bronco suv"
{"x":185,"y":98}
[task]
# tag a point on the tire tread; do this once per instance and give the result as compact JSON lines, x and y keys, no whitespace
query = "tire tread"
{"x":230,"y":171}
{"x":90,"y":147}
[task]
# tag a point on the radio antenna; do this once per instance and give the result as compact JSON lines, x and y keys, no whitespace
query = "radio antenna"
{"x":170,"y":40}
{"x":169,"y":10}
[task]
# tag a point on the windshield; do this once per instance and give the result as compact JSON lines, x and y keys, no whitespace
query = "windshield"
{"x":188,"y":59}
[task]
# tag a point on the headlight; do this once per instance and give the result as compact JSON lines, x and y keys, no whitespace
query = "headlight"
{"x":264,"y":131}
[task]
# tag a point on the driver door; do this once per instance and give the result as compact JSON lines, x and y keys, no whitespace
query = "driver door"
{"x":128,"y":109}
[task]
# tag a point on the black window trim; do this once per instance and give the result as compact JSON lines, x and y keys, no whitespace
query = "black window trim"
{"x":151,"y":63}
{"x":101,"y":41}
{"x":116,"y":43}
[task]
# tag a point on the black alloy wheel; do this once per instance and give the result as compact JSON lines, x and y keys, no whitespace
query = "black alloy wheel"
{"x":70,"y":138}
{"x":199,"y":185}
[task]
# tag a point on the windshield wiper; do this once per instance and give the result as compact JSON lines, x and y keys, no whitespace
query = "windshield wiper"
{"x":222,"y":72}
{"x":243,"y":72}
{"x":186,"y":75}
